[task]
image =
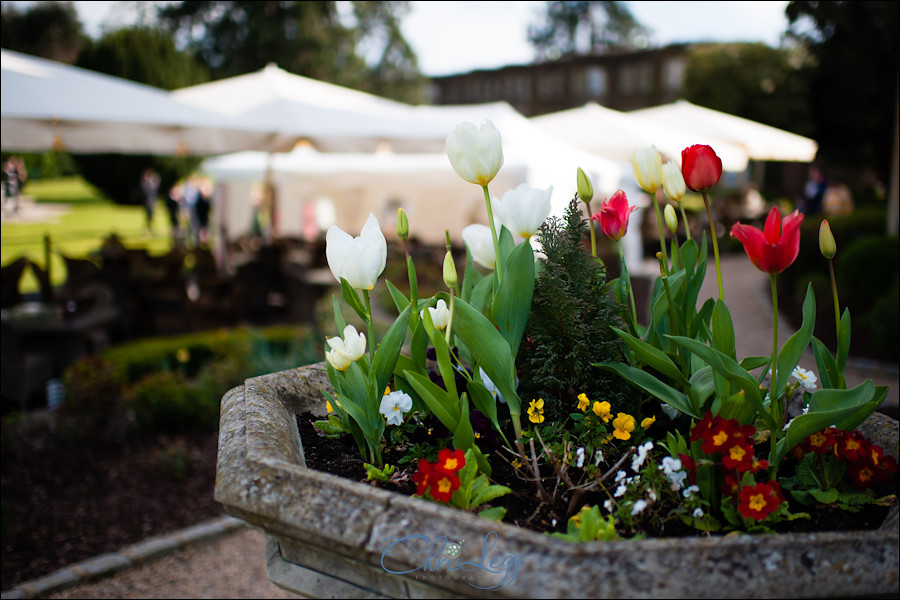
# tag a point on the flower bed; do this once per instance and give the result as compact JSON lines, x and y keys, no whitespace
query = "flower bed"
{"x":615,"y":429}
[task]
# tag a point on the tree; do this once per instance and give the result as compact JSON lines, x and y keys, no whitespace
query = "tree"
{"x":147,"y":56}
{"x":355,"y":44}
{"x":853,"y":88}
{"x":47,"y":29}
{"x":586,"y":27}
{"x":754,"y":81}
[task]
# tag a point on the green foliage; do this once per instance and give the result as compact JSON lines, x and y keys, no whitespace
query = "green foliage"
{"x":46,"y":29}
{"x":589,"y":526}
{"x":475,"y":490}
{"x":570,"y":326}
{"x":754,"y":81}
{"x":866,"y":268}
{"x":851,"y":41}
{"x":173,"y":384}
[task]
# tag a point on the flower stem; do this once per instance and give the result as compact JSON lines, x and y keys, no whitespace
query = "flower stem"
{"x":777,"y":417}
{"x":687,"y":229}
{"x":371,"y":323}
{"x":593,"y":233}
{"x":834,"y":294}
{"x":624,"y":276}
{"x":498,"y":267}
{"x":715,"y":242}
{"x":662,"y":236}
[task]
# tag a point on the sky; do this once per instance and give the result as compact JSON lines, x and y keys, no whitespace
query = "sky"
{"x":457,"y":37}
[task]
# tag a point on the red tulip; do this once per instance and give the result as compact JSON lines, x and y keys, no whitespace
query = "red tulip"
{"x":776,"y":247}
{"x":701,"y":167}
{"x":613,"y":216}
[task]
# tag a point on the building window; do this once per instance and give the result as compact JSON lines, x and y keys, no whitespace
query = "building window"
{"x":645,"y":78}
{"x":674,"y":74}
{"x":596,"y":83}
{"x":627,"y":80}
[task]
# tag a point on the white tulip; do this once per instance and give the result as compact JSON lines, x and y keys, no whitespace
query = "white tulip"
{"x":475,"y":152}
{"x":440,"y":314}
{"x":647,"y":168}
{"x":359,"y":260}
{"x":480,"y":244}
{"x":673,"y":181}
{"x":524,"y":209}
{"x":347,"y":350}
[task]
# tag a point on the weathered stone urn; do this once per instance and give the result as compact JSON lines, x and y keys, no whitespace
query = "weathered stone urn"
{"x":332,"y":537}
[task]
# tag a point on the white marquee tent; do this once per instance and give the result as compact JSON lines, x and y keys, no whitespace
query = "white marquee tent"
{"x":615,"y":135}
{"x":50,"y":105}
{"x":330,"y":117}
{"x":762,"y":142}
{"x":425,"y":185}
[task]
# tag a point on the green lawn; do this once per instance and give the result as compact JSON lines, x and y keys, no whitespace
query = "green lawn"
{"x":81,"y":219}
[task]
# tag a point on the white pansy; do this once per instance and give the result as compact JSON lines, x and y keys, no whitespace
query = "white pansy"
{"x":690,"y":491}
{"x":620,"y":490}
{"x":641,"y":455}
{"x":698,"y":513}
{"x":478,"y":240}
{"x":672,"y":469}
{"x":440,"y":314}
{"x":639,"y":506}
{"x":609,"y":504}
{"x":360,"y":260}
{"x":579,"y":457}
{"x":524,"y":209}
{"x":620,"y":476}
{"x":394,"y":406}
{"x":346,"y":350}
{"x":806,"y":378}
{"x":475,"y":153}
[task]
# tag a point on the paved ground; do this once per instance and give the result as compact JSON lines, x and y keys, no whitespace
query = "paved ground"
{"x":233,"y":565}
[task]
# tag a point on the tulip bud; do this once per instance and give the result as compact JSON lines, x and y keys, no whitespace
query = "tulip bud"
{"x":671,"y":218}
{"x":585,"y":189}
{"x":402,"y":224}
{"x":826,"y":241}
{"x":673,"y":181}
{"x":450,"y":279}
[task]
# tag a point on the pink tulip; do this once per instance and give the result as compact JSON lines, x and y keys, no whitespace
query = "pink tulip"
{"x":613,"y":216}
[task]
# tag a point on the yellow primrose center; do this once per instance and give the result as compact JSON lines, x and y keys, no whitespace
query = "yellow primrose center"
{"x":583,"y":402}
{"x":737,"y":453}
{"x":444,"y":485}
{"x":720,"y":438}
{"x":451,"y":464}
{"x":817,"y":439}
{"x":757,"y":502}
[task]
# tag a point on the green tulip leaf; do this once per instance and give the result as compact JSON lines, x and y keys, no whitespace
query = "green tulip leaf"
{"x":651,"y":356}
{"x":793,"y":349}
{"x":652,"y":386}
{"x":512,"y":300}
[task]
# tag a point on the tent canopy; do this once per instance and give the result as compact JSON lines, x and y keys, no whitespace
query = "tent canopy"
{"x":49,"y":105}
{"x":762,"y":142}
{"x":433,"y":195}
{"x":331,"y":117}
{"x":614,"y":134}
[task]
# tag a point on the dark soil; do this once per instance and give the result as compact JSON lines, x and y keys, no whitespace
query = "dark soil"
{"x":340,"y":456}
{"x":68,"y":500}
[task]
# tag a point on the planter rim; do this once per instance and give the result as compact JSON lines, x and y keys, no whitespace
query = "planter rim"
{"x":262,"y":478}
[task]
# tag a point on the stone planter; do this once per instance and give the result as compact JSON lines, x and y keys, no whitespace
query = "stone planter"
{"x":332,"y":537}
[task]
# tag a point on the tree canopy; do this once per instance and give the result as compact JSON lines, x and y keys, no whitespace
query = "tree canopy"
{"x":354,"y":44}
{"x":572,"y":28}
{"x":753,"y":81}
{"x":853,"y":89}
{"x":47,"y":29}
